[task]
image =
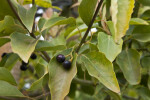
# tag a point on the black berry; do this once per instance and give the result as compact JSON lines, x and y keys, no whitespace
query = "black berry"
{"x":23,"y":67}
{"x":3,"y":54}
{"x":67,"y":65}
{"x":60,"y":58}
{"x":24,"y":63}
{"x":33,"y":56}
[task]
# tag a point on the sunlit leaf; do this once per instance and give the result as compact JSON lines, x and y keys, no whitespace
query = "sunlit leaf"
{"x":121,"y":15}
{"x":107,"y":45}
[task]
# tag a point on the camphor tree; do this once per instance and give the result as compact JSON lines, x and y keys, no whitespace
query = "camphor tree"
{"x":102,"y":54}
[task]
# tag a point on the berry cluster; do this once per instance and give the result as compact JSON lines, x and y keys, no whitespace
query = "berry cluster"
{"x":61,"y":59}
{"x":4,"y":54}
{"x":24,"y":67}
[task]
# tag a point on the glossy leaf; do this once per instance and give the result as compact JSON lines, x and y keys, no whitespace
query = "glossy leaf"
{"x":59,"y":78}
{"x":101,"y":68}
{"x":121,"y":15}
{"x":141,"y":33}
{"x":107,"y":45}
{"x":27,"y":16}
{"x":5,"y":75}
{"x":23,"y":45}
{"x":129,"y":63}
{"x":58,"y":21}
{"x":9,"y":90}
{"x":86,"y":10}
{"x":4,"y":41}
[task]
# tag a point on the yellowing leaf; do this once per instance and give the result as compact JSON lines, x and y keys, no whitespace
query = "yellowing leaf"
{"x":101,"y":68}
{"x":121,"y":14}
{"x":23,"y":45}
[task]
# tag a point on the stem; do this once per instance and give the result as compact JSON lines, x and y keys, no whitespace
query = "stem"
{"x":33,"y":27}
{"x":40,"y":96}
{"x":46,"y":55}
{"x":90,"y":26}
{"x":83,"y":82}
{"x":31,"y":34}
{"x":33,"y":2}
{"x":16,"y":14}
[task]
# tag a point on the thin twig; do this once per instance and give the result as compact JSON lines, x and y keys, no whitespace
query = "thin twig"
{"x":90,"y":26}
{"x":33,"y":27}
{"x":16,"y":14}
{"x":31,"y":34}
{"x":40,"y":96}
{"x":33,"y":2}
{"x":46,"y":55}
{"x":83,"y":82}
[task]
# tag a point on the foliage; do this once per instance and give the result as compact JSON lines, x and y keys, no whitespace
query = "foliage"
{"x":108,"y":45}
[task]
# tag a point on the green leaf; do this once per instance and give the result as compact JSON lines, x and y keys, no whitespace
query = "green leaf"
{"x":23,"y":45}
{"x":11,"y":61}
{"x":41,"y":23}
{"x":114,"y":95}
{"x":141,"y":33}
{"x":8,"y":26}
{"x":86,"y":10}
{"x":144,"y":2}
{"x":148,"y":84}
{"x":27,"y":16}
{"x":5,"y":9}
{"x":59,"y":78}
{"x":77,"y":30}
{"x":145,"y":63}
{"x":39,"y":83}
{"x":101,"y":68}
{"x":4,"y":41}
{"x":58,"y":21}
{"x":144,"y":93}
{"x":40,"y":69}
{"x":9,"y":90}
{"x":122,"y":10}
{"x":138,"y":21}
{"x":107,"y":45}
{"x":111,"y":27}
{"x":57,"y":43}
{"x":5,"y":75}
{"x":41,"y":3}
{"x":129,"y":63}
